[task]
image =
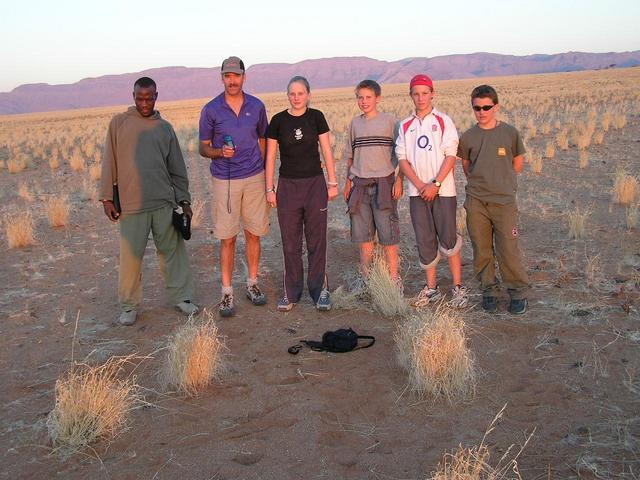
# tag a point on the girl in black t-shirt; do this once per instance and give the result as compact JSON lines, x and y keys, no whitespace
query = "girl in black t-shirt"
{"x":302,"y":193}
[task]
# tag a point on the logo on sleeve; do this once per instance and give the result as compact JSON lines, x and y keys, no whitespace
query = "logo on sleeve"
{"x":502,"y":152}
{"x":297,"y":133}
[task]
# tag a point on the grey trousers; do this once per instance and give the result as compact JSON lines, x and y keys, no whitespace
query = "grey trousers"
{"x":174,"y":261}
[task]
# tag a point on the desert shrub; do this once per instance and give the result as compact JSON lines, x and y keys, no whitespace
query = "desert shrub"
{"x":386,"y":297}
{"x":58,"y":210}
{"x":92,"y":403}
{"x":194,"y":356}
{"x":345,"y":299}
{"x":472,"y":463}
{"x":625,"y":188}
{"x":598,"y":138}
{"x":620,"y":120}
{"x":19,"y":229}
{"x":431,"y":346}
{"x":89,"y":190}
{"x":577,"y":221}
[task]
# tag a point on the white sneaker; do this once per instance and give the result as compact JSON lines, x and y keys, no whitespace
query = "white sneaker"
{"x":127,"y":318}
{"x":324,"y":301}
{"x":459,"y":297}
{"x":187,"y":307}
{"x":427,"y":295}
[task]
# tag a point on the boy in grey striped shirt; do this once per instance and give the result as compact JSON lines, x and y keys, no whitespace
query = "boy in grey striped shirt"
{"x":372,"y":188}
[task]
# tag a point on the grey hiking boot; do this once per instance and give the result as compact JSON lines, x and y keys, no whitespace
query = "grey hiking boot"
{"x":427,"y":295}
{"x":255,"y":295}
{"x":459,"y":297}
{"x":127,"y":318}
{"x":187,"y":307}
{"x":226,"y":307}
{"x":324,"y":301}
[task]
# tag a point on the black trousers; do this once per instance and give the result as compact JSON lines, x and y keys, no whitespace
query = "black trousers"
{"x":302,"y":208}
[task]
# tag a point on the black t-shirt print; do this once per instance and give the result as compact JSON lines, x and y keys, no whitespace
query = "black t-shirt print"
{"x":298,"y":142}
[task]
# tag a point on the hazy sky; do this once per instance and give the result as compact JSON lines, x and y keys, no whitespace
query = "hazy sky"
{"x":66,"y":40}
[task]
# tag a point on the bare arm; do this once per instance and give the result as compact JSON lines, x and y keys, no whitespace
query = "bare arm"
{"x":518,"y":163}
{"x":466,"y":164}
{"x":262,"y":145}
{"x":269,"y":170}
{"x":327,"y":154}
{"x":347,"y":182}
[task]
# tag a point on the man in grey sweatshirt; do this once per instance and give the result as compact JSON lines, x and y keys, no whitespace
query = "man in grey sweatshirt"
{"x":143,"y":158}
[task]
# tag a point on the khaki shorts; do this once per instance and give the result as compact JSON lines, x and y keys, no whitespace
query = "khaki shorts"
{"x":240,"y":200}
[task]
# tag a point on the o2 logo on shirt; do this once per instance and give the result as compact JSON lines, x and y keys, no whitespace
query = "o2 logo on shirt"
{"x":423,"y":142}
{"x":297,"y":133}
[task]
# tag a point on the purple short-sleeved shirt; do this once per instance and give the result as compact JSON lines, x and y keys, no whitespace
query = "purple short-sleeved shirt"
{"x":217,"y":119}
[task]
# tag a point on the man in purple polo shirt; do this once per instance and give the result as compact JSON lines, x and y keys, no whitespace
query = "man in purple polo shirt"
{"x":232,"y":135}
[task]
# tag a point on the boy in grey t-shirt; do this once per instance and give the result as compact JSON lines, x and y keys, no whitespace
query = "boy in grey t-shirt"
{"x":492,"y":154}
{"x":372,"y":188}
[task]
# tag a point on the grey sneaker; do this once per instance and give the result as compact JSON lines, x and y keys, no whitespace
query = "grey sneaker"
{"x":427,"y":295}
{"x":226,"y":307}
{"x":127,"y":318}
{"x":187,"y":307}
{"x":518,"y":306}
{"x":324,"y":301}
{"x":459,"y":297}
{"x":284,"y":305}
{"x":255,"y":295}
{"x":359,"y":285}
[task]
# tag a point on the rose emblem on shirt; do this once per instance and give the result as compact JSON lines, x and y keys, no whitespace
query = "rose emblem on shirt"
{"x":297,"y":133}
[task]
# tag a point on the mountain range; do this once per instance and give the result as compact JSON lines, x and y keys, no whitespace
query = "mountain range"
{"x":180,"y":83}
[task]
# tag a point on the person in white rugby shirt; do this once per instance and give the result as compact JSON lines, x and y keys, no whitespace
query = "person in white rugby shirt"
{"x":426,"y":149}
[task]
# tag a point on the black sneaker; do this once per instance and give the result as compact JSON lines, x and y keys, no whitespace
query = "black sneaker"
{"x":490,"y":304}
{"x":518,"y":306}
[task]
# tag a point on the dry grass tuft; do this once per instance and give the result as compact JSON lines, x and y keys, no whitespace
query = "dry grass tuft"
{"x":598,"y":138}
{"x":562,"y":140}
{"x":197,"y":207}
{"x":386,"y":298}
{"x":535,"y":159}
{"x":432,"y":347}
{"x":88,"y":191}
{"x":584,"y":159}
{"x":76,"y":162}
{"x":58,"y":211}
{"x":631,"y":216}
{"x":25,"y":193}
{"x":19,"y":230}
{"x":625,"y":188}
{"x":54,"y":162}
{"x":16,"y":165}
{"x":577,"y":221}
{"x":194,"y":356}
{"x":92,"y":404}
{"x":95,"y":171}
{"x":473,"y":463}
{"x":344,"y":299}
{"x":550,"y":150}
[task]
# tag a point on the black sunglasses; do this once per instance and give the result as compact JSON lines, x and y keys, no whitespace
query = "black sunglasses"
{"x":486,"y":108}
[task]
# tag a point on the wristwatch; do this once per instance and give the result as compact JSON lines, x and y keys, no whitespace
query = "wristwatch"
{"x":184,"y":202}
{"x":436,"y":183}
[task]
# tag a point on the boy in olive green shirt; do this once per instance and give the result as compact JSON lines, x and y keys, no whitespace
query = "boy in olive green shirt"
{"x":492,"y":154}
